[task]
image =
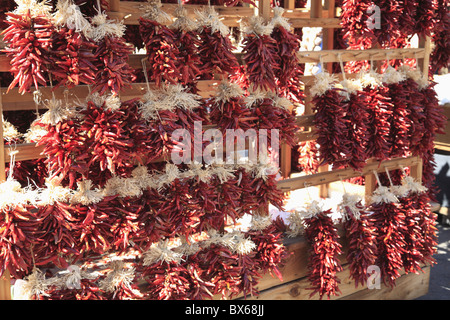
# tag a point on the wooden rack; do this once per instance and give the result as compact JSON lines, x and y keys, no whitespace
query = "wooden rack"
{"x":319,"y":15}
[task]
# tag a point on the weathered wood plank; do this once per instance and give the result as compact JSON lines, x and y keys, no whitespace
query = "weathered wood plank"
{"x":336,"y":175}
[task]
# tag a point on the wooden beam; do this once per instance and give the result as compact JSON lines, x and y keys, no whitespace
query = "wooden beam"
{"x":131,"y":11}
{"x":315,"y":22}
{"x":16,"y":101}
{"x":359,"y":55}
{"x":336,"y":175}
{"x":24,"y":151}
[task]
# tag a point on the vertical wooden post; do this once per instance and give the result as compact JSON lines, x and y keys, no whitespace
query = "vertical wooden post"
{"x":369,"y":185}
{"x":114,"y":5}
{"x":424,"y":63}
{"x":416,"y":170}
{"x":264,"y":9}
{"x":5,"y":281}
{"x":289,"y":4}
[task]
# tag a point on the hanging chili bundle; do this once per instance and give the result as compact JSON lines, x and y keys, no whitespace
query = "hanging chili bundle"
{"x":270,"y":251}
{"x":18,"y":228}
{"x":423,"y":21}
{"x":160,"y":44}
{"x":167,"y":277}
{"x":72,"y":58}
{"x":179,"y":210}
{"x":408,"y":195}
{"x":390,"y":15}
{"x":357,"y":123}
{"x":416,"y":115}
{"x":216,"y":49}
{"x":63,"y":142}
{"x":434,"y":123}
{"x":389,"y":221}
{"x":28,"y":38}
{"x":440,"y":57}
{"x":264,"y":185}
{"x":187,"y":40}
{"x":379,"y":109}
{"x":119,"y":282}
{"x":355,"y":20}
{"x":329,"y":119}
{"x":410,"y":12}
{"x":56,"y":242}
{"x":167,"y":109}
{"x":273,"y":112}
{"x":228,"y":108}
{"x":360,"y":232}
{"x":230,"y":265}
{"x":260,"y":55}
{"x":399,"y":123}
{"x":111,"y":146}
{"x":112,"y":53}
{"x":323,"y":263}
{"x":288,"y":44}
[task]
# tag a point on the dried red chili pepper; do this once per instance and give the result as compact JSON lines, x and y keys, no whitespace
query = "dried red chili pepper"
{"x":28,"y":39}
{"x":260,"y":55}
{"x":323,"y":261}
{"x":308,"y":157}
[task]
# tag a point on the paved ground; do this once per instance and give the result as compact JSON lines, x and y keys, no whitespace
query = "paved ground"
{"x":440,"y":273}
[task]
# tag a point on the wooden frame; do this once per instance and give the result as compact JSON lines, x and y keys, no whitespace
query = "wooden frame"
{"x":294,"y":272}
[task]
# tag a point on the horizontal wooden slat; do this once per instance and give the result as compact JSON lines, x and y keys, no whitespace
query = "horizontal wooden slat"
{"x":5,"y":64}
{"x":130,"y":12}
{"x":332,"y":23}
{"x":13,"y":100}
{"x":336,"y":175}
{"x":25,"y":151}
{"x":408,"y":286}
{"x":359,"y":55}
